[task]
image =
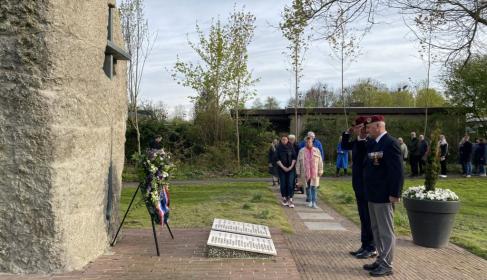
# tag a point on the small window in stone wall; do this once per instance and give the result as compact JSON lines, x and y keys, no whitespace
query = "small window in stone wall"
{"x":113,"y":53}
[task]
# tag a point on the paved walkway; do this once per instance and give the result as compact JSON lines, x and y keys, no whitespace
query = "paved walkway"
{"x":323,"y":238}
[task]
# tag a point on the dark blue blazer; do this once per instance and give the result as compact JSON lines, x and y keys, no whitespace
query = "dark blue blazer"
{"x":387,"y":178}
{"x":359,"y":151}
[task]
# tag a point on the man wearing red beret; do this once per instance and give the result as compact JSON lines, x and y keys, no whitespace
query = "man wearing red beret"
{"x":383,"y":180}
{"x":359,"y":152}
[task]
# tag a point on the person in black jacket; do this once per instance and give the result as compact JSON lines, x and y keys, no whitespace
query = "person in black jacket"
{"x":480,"y":157}
{"x":156,"y":144}
{"x":383,"y":181}
{"x":286,"y":160}
{"x":423,"y":150}
{"x":359,"y":152}
{"x":271,"y":155}
{"x":414,"y":154}
{"x":465,"y":151}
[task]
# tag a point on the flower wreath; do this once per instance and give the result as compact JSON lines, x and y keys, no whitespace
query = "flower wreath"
{"x":155,"y":170}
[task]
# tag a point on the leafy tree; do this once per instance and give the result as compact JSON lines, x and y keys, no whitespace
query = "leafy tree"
{"x":271,"y":103}
{"x":467,"y":87}
{"x":293,"y":27}
{"x":429,"y":98}
{"x":403,"y":98}
{"x":257,"y":104}
{"x":210,"y":78}
{"x":241,"y":31}
{"x":319,"y":95}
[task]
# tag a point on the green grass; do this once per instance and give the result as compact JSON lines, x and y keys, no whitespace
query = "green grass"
{"x":470,"y":229}
{"x":197,"y":206}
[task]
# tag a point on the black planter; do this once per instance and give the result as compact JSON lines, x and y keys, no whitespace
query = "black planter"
{"x":431,"y":222}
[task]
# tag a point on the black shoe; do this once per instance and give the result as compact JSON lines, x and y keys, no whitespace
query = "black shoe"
{"x":381,"y":271}
{"x":366,"y":254}
{"x":359,"y":251}
{"x":372,"y":266}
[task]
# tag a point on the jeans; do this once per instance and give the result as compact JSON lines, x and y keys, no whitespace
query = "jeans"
{"x":481,"y":169}
{"x":286,"y":180}
{"x":467,"y":167}
{"x":312,"y":193}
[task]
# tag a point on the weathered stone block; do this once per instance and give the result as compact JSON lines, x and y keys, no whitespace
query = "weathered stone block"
{"x":62,"y":134}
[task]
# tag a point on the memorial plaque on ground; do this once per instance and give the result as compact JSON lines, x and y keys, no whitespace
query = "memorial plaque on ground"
{"x":239,"y":242}
{"x":241,"y":228}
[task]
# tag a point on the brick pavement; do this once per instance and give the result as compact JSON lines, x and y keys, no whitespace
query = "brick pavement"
{"x":324,"y":254}
{"x":134,"y":257}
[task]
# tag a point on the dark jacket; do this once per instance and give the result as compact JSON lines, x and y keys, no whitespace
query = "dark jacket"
{"x":296,"y":148}
{"x":466,"y":151}
{"x":480,"y":154}
{"x":155,"y":145}
{"x":413,"y":147}
{"x":359,"y":151}
{"x":285,"y":154}
{"x":423,"y":148}
{"x":444,"y":150}
{"x":386,"y":178}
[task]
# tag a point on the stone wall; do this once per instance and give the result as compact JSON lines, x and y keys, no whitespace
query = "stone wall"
{"x":62,"y":134}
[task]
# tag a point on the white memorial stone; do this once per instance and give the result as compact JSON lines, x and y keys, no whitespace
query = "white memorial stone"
{"x":241,"y":242}
{"x":241,"y":228}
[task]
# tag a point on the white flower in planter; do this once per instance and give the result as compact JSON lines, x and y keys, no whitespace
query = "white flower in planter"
{"x":437,"y":195}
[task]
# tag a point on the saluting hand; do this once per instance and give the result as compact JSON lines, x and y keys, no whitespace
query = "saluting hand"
{"x":393,"y":199}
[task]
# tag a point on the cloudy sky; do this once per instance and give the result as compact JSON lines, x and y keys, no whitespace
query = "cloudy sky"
{"x":388,"y":53}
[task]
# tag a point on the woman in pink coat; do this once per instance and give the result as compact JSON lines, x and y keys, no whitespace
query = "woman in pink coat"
{"x":309,"y":168}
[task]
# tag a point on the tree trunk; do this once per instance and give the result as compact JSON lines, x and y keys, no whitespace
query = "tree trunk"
{"x":296,"y":74}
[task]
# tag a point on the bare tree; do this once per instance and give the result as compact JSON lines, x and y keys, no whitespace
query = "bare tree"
{"x":139,"y":43}
{"x":344,"y":43}
{"x":459,"y":35}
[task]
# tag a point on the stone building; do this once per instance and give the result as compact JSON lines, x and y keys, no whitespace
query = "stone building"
{"x":63,"y":109}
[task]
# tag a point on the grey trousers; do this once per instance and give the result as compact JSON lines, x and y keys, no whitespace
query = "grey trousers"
{"x":382,"y":222}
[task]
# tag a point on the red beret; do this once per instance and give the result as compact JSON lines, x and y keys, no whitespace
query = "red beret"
{"x":374,"y":118}
{"x":360,"y":120}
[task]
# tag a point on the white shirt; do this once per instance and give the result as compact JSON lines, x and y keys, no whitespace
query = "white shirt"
{"x":380,"y":136}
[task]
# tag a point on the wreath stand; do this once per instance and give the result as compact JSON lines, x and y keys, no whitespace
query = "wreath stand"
{"x":152,"y":221}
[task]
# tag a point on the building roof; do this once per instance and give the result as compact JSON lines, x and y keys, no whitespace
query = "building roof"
{"x":340,"y":110}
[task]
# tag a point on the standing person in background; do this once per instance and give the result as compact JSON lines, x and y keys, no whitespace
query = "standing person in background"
{"x":309,"y":168}
{"x":480,"y":156}
{"x":156,"y":144}
{"x":414,"y":155}
{"x":342,"y":159}
{"x":294,"y":143}
{"x":285,"y":160}
{"x":465,"y":152}
{"x":443,"y":155}
{"x":404,"y":151}
{"x":383,"y":179}
{"x":475,"y":160}
{"x":316,"y":144}
{"x":423,"y":149}
{"x":359,"y":152}
{"x":272,"y":162}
